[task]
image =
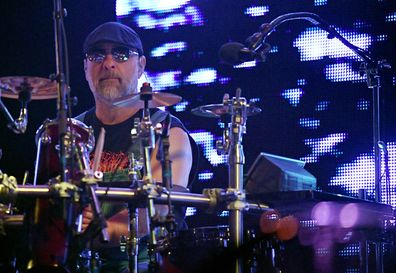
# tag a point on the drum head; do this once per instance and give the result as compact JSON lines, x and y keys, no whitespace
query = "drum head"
{"x":81,"y":131}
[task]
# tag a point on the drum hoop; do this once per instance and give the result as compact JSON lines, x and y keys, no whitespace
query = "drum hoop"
{"x":70,"y":122}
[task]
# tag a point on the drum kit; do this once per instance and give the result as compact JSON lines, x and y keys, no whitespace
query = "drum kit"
{"x":48,"y":212}
{"x":54,"y":241}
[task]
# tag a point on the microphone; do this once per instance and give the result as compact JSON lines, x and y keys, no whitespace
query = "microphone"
{"x":234,"y":53}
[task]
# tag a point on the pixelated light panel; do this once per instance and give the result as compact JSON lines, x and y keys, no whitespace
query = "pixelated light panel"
{"x":184,"y":28}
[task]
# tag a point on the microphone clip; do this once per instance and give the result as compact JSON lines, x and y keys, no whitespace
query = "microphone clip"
{"x":259,"y":55}
{"x":256,"y":41}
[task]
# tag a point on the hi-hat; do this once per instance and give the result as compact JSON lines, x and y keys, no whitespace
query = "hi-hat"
{"x":218,"y":110}
{"x":154,"y":99}
{"x":40,"y":88}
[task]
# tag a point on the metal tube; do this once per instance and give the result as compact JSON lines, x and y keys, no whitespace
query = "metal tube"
{"x":376,"y":139}
{"x":126,"y":194}
{"x":61,"y":106}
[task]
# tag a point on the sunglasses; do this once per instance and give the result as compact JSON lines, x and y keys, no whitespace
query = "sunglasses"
{"x":119,"y":54}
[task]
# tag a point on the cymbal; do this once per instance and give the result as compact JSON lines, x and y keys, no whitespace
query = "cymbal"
{"x":156,"y":99}
{"x":40,"y":88}
{"x":217,"y":110}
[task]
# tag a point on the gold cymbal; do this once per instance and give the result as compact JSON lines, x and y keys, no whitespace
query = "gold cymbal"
{"x":217,"y":110}
{"x":154,"y":99}
{"x":40,"y":88}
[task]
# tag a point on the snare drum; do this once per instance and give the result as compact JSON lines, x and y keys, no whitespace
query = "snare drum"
{"x":80,"y":141}
{"x":208,"y":249}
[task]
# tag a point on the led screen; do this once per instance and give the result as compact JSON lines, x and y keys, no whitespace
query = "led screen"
{"x":316,"y":105}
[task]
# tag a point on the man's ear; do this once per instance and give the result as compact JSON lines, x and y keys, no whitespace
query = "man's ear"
{"x":85,"y":68}
{"x":141,"y":64}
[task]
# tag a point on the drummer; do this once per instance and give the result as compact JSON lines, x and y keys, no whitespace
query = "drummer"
{"x":113,"y":63}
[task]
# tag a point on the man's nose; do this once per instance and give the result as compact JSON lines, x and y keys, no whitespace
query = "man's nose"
{"x":109,"y":62}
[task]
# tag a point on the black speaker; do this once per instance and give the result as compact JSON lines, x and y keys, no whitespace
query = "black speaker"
{"x":270,"y":173}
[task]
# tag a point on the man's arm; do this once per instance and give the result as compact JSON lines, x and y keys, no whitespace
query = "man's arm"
{"x":180,"y":155}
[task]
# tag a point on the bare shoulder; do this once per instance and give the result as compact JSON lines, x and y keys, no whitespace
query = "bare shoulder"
{"x":177,"y":132}
{"x":179,"y":142}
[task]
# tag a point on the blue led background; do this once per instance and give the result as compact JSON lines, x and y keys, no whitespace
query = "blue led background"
{"x":315,"y":105}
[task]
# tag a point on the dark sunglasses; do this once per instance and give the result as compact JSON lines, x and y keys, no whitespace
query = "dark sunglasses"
{"x":119,"y":54}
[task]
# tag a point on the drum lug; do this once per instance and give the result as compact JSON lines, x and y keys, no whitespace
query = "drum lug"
{"x":45,"y":138}
{"x":91,"y":139}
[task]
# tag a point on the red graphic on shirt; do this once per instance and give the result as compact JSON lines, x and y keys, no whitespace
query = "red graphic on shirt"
{"x":111,"y":162}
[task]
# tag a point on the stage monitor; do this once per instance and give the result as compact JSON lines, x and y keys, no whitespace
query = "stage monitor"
{"x":271,"y":173}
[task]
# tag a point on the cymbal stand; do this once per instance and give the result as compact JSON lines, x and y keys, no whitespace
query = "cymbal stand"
{"x":65,"y":136}
{"x":65,"y":143}
{"x":232,"y":145}
{"x":130,"y":244}
{"x":7,"y":115}
{"x":149,"y":188}
{"x":59,"y":13}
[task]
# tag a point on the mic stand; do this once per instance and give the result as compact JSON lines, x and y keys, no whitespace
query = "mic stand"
{"x":257,"y":40}
{"x":387,"y":174}
{"x":369,"y":67}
